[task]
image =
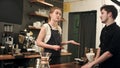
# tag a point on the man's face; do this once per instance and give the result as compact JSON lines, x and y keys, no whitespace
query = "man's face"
{"x":104,"y":16}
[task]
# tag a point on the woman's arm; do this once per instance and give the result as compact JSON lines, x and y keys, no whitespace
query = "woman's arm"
{"x":40,"y":39}
{"x":70,"y":42}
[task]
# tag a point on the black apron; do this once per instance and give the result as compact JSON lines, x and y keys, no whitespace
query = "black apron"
{"x":55,"y":39}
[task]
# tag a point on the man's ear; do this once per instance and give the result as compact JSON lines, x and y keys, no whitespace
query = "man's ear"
{"x":110,"y":14}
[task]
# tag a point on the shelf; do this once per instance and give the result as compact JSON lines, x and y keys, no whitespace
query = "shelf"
{"x":32,"y":27}
{"x":65,"y":53}
{"x":42,"y":2}
{"x":40,"y":15}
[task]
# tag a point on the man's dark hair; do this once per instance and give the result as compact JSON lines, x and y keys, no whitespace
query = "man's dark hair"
{"x":110,"y":8}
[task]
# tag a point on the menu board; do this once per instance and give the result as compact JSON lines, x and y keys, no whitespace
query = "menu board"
{"x":11,"y":11}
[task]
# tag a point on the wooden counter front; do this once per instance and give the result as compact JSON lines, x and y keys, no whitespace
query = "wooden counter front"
{"x":7,"y":57}
{"x":66,"y":65}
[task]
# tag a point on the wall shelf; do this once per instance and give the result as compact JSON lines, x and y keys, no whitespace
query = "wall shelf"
{"x":32,"y":27}
{"x":40,"y":15}
{"x":42,"y":2}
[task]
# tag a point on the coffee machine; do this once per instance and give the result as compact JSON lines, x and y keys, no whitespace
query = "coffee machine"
{"x":7,"y":43}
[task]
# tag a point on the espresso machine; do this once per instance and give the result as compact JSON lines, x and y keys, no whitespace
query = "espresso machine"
{"x":7,"y":43}
{"x":7,"y":39}
{"x":26,"y":41}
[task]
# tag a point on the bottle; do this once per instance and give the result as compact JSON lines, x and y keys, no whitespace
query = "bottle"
{"x":3,"y":39}
{"x":10,"y":39}
{"x":91,"y":50}
{"x":90,"y":55}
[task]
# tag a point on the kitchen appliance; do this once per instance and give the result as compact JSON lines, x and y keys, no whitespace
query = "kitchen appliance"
{"x":43,"y":61}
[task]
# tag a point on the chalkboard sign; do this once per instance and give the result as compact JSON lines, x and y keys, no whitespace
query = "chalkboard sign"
{"x":11,"y":11}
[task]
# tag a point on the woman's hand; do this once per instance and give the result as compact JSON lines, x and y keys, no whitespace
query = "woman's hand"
{"x":73,"y":42}
{"x":56,"y":47}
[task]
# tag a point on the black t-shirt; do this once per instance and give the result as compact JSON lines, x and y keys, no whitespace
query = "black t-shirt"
{"x":110,"y":41}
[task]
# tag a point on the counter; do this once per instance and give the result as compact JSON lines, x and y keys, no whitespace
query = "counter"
{"x":14,"y":61}
{"x":65,"y":53}
{"x":11,"y":59}
{"x":66,"y":65}
{"x":8,"y":57}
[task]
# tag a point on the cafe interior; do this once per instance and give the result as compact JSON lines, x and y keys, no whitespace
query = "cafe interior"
{"x":21,"y":21}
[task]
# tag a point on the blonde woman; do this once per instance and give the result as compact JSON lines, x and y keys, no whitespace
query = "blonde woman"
{"x":50,"y":36}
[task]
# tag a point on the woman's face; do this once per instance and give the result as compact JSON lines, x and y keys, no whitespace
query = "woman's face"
{"x":104,"y":16}
{"x":56,"y":15}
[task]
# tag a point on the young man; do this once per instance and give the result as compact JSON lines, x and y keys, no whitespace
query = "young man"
{"x":108,"y":55}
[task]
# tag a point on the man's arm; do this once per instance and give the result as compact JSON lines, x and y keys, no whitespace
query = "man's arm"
{"x":102,"y":58}
{"x":97,"y":53}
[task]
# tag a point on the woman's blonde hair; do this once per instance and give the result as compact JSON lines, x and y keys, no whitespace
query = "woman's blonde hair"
{"x":52,"y":9}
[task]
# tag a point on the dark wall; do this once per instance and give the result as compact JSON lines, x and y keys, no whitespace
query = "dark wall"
{"x":26,"y":19}
{"x":11,"y":11}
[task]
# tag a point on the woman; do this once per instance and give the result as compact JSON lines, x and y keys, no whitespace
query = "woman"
{"x":50,"y":36}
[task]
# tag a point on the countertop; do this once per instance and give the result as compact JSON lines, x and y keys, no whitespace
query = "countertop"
{"x":66,"y":65}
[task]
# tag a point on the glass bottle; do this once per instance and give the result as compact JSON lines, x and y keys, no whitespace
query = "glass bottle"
{"x":90,"y":55}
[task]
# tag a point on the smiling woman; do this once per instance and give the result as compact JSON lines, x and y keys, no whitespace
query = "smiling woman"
{"x":11,"y":11}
